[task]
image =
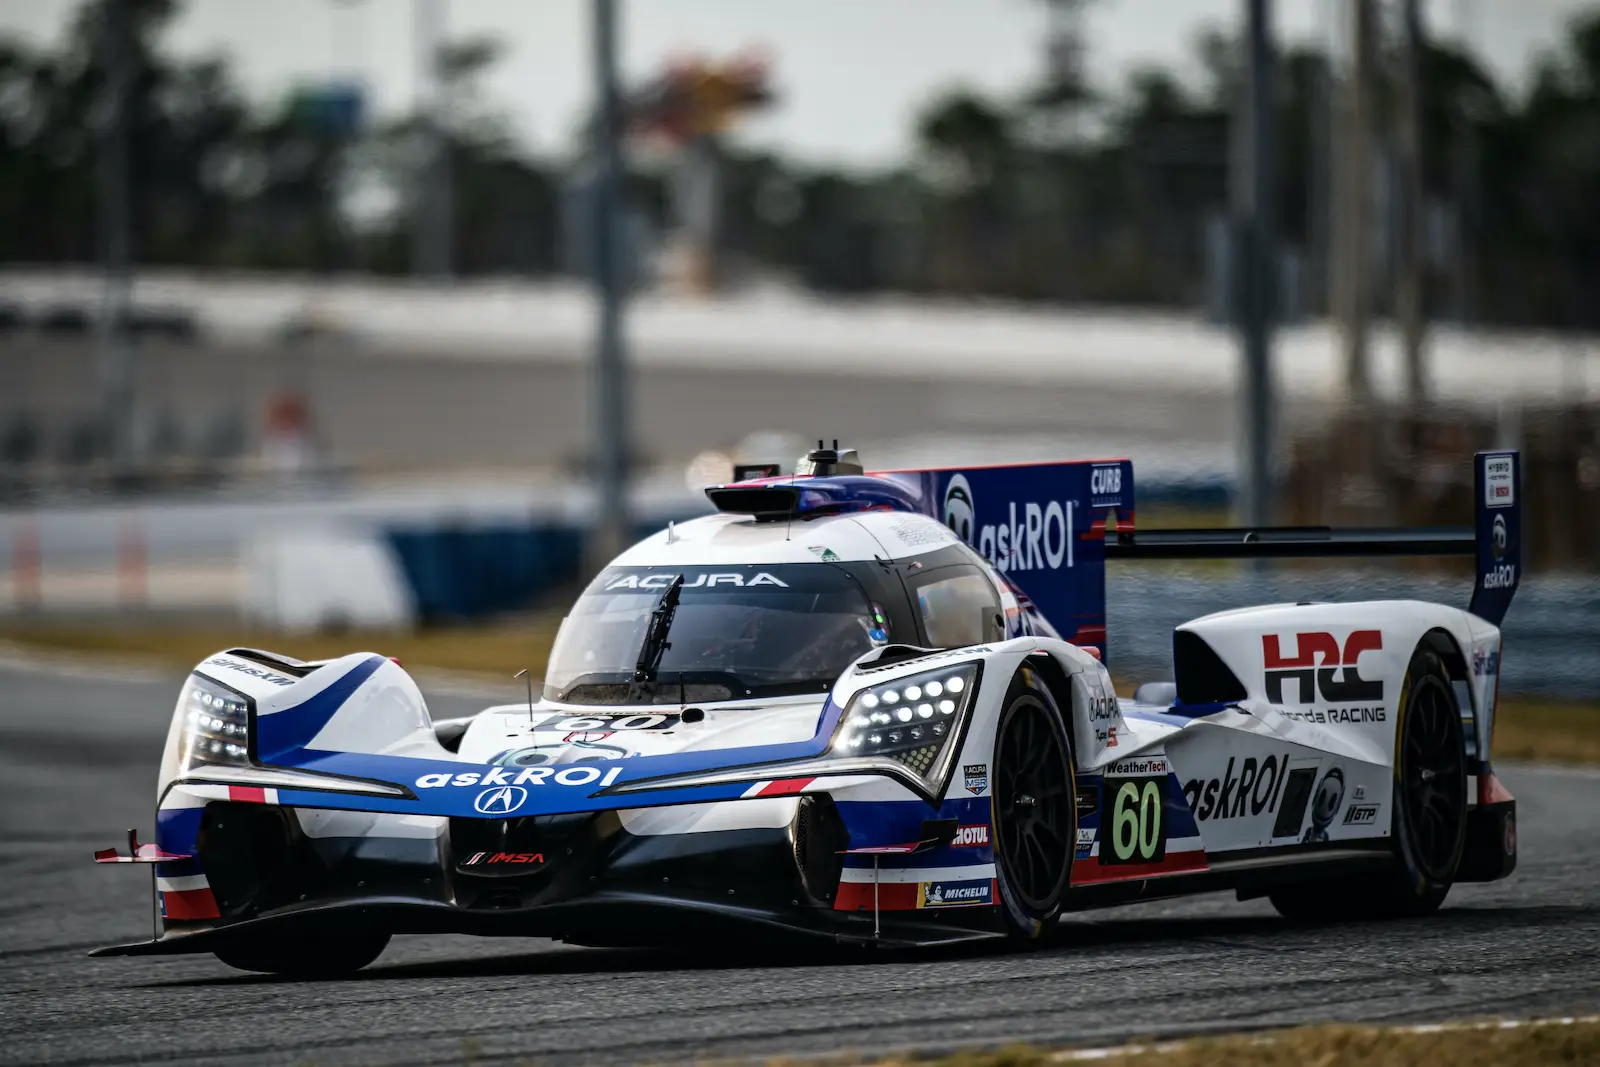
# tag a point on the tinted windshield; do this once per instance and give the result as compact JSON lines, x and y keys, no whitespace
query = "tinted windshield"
{"x":738,"y":632}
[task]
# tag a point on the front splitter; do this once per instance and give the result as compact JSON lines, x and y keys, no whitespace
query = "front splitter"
{"x":607,"y":919}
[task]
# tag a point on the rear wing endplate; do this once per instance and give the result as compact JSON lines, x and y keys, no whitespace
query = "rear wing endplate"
{"x":1494,"y":539}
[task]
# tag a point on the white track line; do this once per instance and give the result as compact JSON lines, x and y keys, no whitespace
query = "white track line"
{"x":1106,"y":1052}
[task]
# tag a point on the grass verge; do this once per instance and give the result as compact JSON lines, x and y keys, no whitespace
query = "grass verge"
{"x":1531,"y":1044}
{"x":1541,"y":731}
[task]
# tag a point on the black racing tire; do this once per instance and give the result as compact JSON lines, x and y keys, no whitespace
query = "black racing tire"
{"x":320,"y":957}
{"x":1428,"y":813}
{"x":1035,"y":811}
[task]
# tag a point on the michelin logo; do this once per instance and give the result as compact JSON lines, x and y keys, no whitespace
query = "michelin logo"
{"x":1036,"y":537}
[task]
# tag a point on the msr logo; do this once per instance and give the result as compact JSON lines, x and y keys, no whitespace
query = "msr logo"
{"x":1317,"y":662}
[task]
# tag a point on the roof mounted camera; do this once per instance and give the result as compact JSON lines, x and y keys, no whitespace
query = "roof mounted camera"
{"x":822,"y":461}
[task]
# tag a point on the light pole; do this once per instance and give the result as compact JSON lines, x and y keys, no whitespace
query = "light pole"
{"x":114,"y":328}
{"x":1254,"y":207}
{"x":609,"y":415}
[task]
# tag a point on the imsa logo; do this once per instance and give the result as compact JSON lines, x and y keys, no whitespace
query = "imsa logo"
{"x":1319,"y":666}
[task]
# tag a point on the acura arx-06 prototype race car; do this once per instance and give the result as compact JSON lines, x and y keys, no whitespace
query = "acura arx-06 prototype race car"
{"x":869,"y":708}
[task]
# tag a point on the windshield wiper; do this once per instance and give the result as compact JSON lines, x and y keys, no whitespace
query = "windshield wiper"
{"x":655,"y":642}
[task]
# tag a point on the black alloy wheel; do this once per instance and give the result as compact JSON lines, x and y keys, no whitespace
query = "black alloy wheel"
{"x":1035,"y":810}
{"x":1431,"y":784}
{"x":1428,"y":822}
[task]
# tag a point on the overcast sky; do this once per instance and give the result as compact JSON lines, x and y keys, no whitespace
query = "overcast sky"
{"x":852,"y":73}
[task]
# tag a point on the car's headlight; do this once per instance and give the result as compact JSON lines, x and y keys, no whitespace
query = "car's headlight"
{"x":909,"y":727}
{"x":216,"y":725}
{"x":910,"y":720}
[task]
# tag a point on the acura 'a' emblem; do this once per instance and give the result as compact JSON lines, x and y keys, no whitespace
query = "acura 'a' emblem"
{"x":501,"y":800}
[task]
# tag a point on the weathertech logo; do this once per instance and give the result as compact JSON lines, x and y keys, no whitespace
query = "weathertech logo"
{"x":970,"y":837}
{"x":1317,"y":665}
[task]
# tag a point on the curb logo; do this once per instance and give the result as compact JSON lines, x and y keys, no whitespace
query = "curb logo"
{"x":1315,"y":665}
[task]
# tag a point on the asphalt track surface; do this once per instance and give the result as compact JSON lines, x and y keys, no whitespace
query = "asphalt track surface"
{"x":78,"y":756}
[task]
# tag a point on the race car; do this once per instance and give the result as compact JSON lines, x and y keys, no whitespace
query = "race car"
{"x":872,"y":709}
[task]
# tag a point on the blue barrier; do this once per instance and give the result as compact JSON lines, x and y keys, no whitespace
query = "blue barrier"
{"x":468,"y":572}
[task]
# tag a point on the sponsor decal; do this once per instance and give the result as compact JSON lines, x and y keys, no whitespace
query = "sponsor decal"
{"x":501,"y":777}
{"x":501,"y":800}
{"x":971,"y":836}
{"x":1137,"y":832}
{"x":515,"y":859}
{"x":1500,"y":576}
{"x":1102,"y":706}
{"x":1499,"y":537}
{"x":1485,"y":662}
{"x":705,"y":581}
{"x":1361,"y":815}
{"x":1254,"y":791}
{"x":1325,"y":804}
{"x":1085,"y":836}
{"x":958,"y":509}
{"x":955,"y":894}
{"x":1326,"y":715}
{"x":824,"y":553}
{"x":1316,"y":667}
{"x":1138,"y":766}
{"x":250,"y":669}
{"x":1034,"y":536}
{"x":1088,"y":800}
{"x":1105,"y":486}
{"x":1499,"y":482}
{"x":975,"y":776}
{"x":568,"y":723}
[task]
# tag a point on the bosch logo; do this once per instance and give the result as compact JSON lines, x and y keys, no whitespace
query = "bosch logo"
{"x":1317,"y":665}
{"x":502,"y":800}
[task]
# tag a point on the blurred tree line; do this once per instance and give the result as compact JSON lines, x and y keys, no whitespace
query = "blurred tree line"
{"x":1058,"y":196}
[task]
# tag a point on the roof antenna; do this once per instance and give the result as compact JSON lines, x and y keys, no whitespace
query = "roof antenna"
{"x":523,"y":673}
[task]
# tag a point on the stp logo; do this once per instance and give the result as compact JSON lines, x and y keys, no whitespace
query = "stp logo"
{"x":1316,"y":665}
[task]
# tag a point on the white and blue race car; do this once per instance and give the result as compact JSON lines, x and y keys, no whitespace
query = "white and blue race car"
{"x":869,"y":708}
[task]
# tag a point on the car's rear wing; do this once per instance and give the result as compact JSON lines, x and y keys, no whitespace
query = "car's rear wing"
{"x":1495,"y":539}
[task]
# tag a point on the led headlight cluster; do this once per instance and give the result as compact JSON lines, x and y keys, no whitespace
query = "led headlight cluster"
{"x":910,"y":720}
{"x":216,"y":725}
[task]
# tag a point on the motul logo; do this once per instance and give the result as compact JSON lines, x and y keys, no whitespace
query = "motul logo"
{"x":970,"y":836}
{"x":1317,"y":662}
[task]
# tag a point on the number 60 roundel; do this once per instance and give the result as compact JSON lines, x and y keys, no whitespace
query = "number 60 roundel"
{"x":1133,"y":828}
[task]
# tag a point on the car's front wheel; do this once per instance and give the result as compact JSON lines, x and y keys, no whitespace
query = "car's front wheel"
{"x":1035,"y":810}
{"x":1428,"y":820}
{"x":321,"y":957}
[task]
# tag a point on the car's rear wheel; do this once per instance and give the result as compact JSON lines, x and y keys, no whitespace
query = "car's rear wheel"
{"x":319,"y":957}
{"x":1035,"y":810}
{"x":1428,"y":819}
